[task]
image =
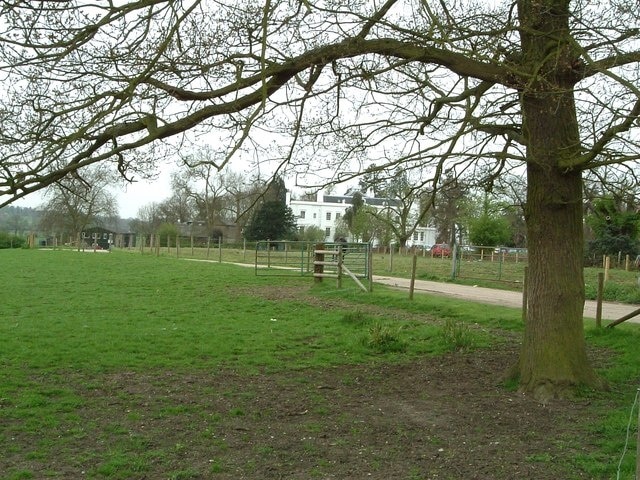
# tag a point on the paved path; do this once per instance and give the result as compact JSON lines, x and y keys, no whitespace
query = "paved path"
{"x":610,"y":310}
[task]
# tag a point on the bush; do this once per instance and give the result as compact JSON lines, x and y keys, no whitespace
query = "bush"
{"x":457,"y":335}
{"x":356,"y":317}
{"x":8,"y":240}
{"x":382,"y":340}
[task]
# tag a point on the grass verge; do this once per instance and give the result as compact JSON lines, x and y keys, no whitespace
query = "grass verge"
{"x":129,"y":366}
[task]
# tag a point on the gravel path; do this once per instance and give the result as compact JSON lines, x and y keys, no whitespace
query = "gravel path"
{"x":610,"y":310}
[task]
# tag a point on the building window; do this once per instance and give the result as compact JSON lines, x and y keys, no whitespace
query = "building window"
{"x":314,"y":216}
{"x":328,"y":215}
{"x":415,"y":236}
{"x":422,"y":236}
{"x":327,"y":232}
{"x":302,"y":213}
{"x":338,"y":215}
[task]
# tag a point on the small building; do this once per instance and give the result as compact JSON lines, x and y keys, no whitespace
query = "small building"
{"x":97,"y":237}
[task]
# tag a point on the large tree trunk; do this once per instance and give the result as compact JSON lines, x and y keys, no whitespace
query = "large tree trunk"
{"x":553,"y":358}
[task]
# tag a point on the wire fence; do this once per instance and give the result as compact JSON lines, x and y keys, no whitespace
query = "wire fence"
{"x":628,"y":438}
{"x":500,"y":264}
{"x":487,"y":266}
{"x":283,"y":258}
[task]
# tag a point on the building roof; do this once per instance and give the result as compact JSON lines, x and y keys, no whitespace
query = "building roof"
{"x":348,"y":199}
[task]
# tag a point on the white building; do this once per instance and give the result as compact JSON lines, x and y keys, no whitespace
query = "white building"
{"x":327,"y":210}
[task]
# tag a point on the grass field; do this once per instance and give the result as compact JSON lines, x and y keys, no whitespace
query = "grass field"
{"x":494,"y":271}
{"x":120,"y":365}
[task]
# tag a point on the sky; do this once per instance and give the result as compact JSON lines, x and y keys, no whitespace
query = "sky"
{"x":130,"y":197}
{"x":138,"y":194}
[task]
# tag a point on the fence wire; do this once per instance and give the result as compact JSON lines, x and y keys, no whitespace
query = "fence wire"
{"x":629,"y":424}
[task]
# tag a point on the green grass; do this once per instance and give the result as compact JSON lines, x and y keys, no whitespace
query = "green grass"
{"x":489,"y":271}
{"x":112,"y":311}
{"x":72,"y":322}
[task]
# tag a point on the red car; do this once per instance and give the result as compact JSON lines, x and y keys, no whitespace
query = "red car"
{"x":440,"y":250}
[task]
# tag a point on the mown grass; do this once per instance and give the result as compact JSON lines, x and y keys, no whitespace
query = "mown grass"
{"x":70,"y":318}
{"x":493,"y":271}
{"x":105,"y":311}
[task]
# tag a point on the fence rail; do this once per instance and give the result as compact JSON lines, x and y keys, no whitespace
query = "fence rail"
{"x":297,"y":258}
{"x":337,"y":259}
{"x":283,"y":258}
{"x":500,"y":264}
{"x":622,"y":282}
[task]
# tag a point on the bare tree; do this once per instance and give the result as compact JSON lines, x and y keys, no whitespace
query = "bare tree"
{"x":219,"y":197}
{"x":205,"y":184}
{"x":16,"y":220}
{"x":72,"y":205}
{"x":465,"y":87}
{"x":242,"y":197}
{"x":510,"y":194}
{"x":403,"y":211}
{"x":447,"y":201}
{"x":148,"y":220}
{"x":180,"y":207}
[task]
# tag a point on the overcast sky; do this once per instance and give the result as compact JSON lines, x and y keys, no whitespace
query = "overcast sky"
{"x":138,"y":194}
{"x":130,"y":198}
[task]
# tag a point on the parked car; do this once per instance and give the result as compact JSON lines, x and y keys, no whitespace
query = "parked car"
{"x":440,"y":250}
{"x":511,"y":250}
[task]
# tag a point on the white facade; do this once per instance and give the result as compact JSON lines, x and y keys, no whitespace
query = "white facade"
{"x":326,"y":211}
{"x":321,"y":214}
{"x":422,"y":237}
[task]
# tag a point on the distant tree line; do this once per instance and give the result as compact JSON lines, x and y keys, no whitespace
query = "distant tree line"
{"x":461,"y":211}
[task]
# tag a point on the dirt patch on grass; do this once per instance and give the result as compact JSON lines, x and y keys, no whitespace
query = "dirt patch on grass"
{"x":443,"y":418}
{"x":278,"y":293}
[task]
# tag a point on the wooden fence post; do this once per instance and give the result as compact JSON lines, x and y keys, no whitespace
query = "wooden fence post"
{"x":412,"y":284}
{"x":599,"y":299}
{"x":370,"y":266}
{"x":339,"y":280}
{"x":318,"y":266}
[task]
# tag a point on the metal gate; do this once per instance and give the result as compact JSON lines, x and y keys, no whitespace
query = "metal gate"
{"x":284,"y":258}
{"x":287,"y":258}
{"x":336,"y":260}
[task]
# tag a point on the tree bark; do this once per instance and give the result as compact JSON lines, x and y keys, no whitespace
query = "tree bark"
{"x":553,"y":357}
